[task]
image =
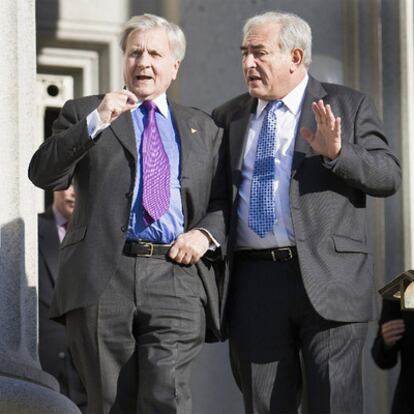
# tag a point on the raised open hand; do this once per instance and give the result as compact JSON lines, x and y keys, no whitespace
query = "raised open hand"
{"x":327,"y":138}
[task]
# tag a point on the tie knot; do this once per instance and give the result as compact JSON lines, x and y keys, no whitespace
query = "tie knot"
{"x":273,"y":105}
{"x":149,"y":105}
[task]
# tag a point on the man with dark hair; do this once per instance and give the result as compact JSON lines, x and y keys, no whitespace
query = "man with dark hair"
{"x":54,"y":353}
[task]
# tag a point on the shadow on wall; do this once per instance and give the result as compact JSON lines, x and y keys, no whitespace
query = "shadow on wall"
{"x":327,"y":69}
{"x":11,"y":281}
{"x":146,"y":6}
{"x":18,"y":316}
{"x":47,"y":11}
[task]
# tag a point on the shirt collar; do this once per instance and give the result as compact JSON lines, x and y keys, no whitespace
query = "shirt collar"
{"x":292,"y":100}
{"x":161,"y":102}
{"x":60,"y":219}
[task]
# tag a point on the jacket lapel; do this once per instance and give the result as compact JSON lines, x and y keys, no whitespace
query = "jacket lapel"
{"x":186,"y":131}
{"x":314,"y":91}
{"x":49,"y":242}
{"x":124,"y":131}
{"x":238,"y":129}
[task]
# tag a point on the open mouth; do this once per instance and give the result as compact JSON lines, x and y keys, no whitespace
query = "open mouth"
{"x":143,"y":77}
{"x":253,"y":78}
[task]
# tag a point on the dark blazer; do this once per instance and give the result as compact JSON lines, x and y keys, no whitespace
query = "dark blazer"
{"x":104,"y":172}
{"x":327,"y":205}
{"x":54,"y":352}
{"x":386,"y":358}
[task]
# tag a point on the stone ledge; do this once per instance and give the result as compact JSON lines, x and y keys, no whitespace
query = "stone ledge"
{"x":23,"y":397}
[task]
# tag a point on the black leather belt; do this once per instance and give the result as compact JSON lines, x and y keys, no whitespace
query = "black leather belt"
{"x":139,"y":248}
{"x":278,"y":254}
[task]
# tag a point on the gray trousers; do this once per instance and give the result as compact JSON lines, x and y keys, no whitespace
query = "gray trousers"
{"x":133,"y":349}
{"x":271,"y":324}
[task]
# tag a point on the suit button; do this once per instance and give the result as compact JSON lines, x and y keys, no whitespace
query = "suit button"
{"x":61,"y":355}
{"x":124,"y":229}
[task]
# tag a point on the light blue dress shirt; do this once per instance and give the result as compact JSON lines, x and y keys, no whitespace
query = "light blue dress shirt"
{"x":171,"y":224}
{"x":287,"y":120}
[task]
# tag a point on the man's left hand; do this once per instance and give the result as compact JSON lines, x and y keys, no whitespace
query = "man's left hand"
{"x":327,"y":138}
{"x":189,"y":247}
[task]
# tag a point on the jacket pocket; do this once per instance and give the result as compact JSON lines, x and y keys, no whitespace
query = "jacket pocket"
{"x":344,"y":244}
{"x":73,"y":236}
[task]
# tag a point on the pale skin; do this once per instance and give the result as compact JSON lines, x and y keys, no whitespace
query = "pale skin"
{"x":149,"y":68}
{"x":64,"y":201}
{"x":326,"y":140}
{"x":271,"y":73}
{"x":392,"y":331}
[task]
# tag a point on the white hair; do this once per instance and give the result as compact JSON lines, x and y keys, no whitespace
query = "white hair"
{"x":294,"y":31}
{"x":148,"y":21}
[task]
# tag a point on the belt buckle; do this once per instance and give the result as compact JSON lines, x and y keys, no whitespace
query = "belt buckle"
{"x":282,"y":249}
{"x":150,"y":246}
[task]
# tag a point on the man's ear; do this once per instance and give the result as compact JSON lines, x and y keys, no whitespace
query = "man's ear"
{"x":175,"y":69}
{"x":296,"y":58}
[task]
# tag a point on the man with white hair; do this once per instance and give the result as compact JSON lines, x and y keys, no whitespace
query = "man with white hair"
{"x":303,"y":156}
{"x":135,"y":286}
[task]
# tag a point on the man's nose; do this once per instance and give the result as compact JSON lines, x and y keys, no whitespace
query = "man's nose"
{"x":249,"y":61}
{"x":143,"y":61}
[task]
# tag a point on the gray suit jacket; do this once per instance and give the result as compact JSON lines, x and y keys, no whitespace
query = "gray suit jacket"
{"x":328,"y":207}
{"x":103,"y":172}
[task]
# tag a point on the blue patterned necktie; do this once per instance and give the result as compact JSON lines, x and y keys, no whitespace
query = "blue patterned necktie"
{"x":262,"y":211}
{"x":155,"y":169}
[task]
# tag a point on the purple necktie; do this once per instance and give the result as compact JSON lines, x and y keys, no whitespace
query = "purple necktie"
{"x":155,"y":169}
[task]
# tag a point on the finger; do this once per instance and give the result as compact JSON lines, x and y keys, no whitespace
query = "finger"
{"x":182,"y":257}
{"x":393,"y":331}
{"x":392,"y":340}
{"x":330,"y":116}
{"x":117,"y":102}
{"x":196,"y":256}
{"x":317,"y":112}
{"x":129,"y":105}
{"x":173,"y":252}
{"x":307,"y":134}
{"x":338,"y":126}
{"x":188,"y":259}
{"x":390,"y":327}
{"x":178,"y":258}
{"x":131,"y":97}
{"x":393,"y":324}
{"x":322,"y":109}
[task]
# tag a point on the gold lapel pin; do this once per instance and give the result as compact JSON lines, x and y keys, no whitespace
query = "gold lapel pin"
{"x":193,"y":131}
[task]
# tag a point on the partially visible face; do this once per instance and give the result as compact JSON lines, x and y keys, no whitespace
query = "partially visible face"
{"x":149,"y":65}
{"x":64,"y":202}
{"x":266,"y":68}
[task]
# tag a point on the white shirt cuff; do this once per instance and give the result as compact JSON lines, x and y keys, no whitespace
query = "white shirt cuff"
{"x":95,"y":124}
{"x":214,"y":244}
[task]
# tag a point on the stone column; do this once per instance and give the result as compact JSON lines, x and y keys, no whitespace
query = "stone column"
{"x":24,"y":387}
